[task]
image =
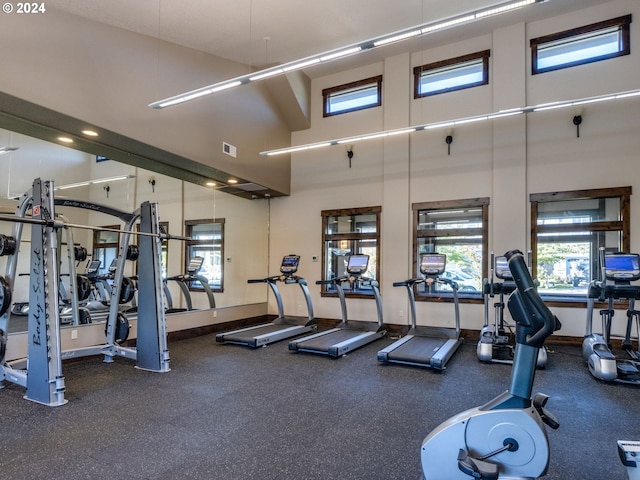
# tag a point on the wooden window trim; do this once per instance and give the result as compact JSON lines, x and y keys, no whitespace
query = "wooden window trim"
{"x":343,"y":212}
{"x":187,"y":243}
{"x":481,"y":202}
{"x":327,"y":92}
{"x":418,"y":71}
{"x":622,"y":22}
{"x":624,"y":225}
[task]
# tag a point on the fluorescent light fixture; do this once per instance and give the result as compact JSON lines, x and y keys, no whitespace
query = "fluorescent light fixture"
{"x":397,"y":38}
{"x":460,"y":121}
{"x":266,"y":74}
{"x":340,"y":53}
{"x":94,"y":182}
{"x":298,"y":66}
{"x":73,"y":185}
{"x":331,"y":55}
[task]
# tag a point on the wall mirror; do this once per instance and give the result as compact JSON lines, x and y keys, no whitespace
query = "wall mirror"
{"x":242,"y":250}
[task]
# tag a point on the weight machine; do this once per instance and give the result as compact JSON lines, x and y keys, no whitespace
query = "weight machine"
{"x":41,"y":372}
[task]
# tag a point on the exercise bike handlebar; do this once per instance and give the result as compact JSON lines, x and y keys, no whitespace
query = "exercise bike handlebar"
{"x":534,"y":318}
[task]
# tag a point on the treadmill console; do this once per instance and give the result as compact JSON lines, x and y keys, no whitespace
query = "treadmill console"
{"x":622,"y":266}
{"x":501,"y":269}
{"x":92,"y":269}
{"x":290,"y":264}
{"x":433,"y":263}
{"x":195,"y":264}
{"x":358,"y":264}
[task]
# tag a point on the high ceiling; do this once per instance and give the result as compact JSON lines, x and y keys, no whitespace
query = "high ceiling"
{"x":266,"y":32}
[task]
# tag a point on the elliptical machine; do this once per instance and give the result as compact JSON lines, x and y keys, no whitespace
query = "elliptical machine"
{"x":497,"y":342}
{"x":506,"y":437}
{"x":617,"y":271}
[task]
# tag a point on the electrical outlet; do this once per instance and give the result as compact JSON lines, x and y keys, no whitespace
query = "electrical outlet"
{"x":74,"y":334}
{"x":215,"y":314}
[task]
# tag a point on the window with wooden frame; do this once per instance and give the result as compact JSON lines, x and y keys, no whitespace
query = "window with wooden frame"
{"x":578,"y":46}
{"x":567,"y":231}
{"x":450,"y":75}
{"x":459,"y":229}
{"x":207,"y":241}
{"x":353,"y":96}
{"x":106,"y":244}
{"x":346,"y":232}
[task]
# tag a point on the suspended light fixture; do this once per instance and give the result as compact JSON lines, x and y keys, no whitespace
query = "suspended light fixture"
{"x":342,"y":52}
{"x":459,"y":121}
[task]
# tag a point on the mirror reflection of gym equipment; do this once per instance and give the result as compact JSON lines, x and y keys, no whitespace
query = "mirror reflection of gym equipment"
{"x":41,"y":372}
{"x":184,"y":282}
{"x":282,"y":327}
{"x":348,"y":335}
{"x":426,"y":346}
{"x":497,"y":342}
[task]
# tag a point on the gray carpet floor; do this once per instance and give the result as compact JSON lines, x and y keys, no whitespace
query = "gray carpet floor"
{"x":229,"y":412}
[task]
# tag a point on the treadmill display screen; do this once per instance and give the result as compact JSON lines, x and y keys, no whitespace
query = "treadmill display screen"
{"x":195,"y":264}
{"x":290,"y":264}
{"x":624,"y":266}
{"x":433,"y":263}
{"x":502,"y":269}
{"x":358,"y":264}
{"x":93,"y":267}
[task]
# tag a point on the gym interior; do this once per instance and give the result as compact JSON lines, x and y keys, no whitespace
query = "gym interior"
{"x":224,"y":181}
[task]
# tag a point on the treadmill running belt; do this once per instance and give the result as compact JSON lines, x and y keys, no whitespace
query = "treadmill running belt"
{"x":416,"y":350}
{"x":323,"y":343}
{"x":255,"y":332}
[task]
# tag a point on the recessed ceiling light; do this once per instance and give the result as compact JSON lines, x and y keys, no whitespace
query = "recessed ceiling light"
{"x":65,"y":139}
{"x":232,"y":180}
{"x":90,"y":133}
{"x":210,"y":184}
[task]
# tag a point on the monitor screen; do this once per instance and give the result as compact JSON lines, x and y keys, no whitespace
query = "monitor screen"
{"x":195,"y":264}
{"x":433,"y":263}
{"x":622,"y":266}
{"x":358,"y":264}
{"x":93,"y":267}
{"x":290,"y":263}
{"x":502,"y":269}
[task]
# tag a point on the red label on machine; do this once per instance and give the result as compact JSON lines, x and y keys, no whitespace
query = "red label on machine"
{"x":36,"y":210}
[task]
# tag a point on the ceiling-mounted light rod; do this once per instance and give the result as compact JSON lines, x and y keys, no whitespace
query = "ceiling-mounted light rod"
{"x":342,"y":52}
{"x":459,"y":121}
{"x":94,"y":182}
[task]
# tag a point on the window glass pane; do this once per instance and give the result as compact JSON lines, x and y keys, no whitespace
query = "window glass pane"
{"x":107,"y":237}
{"x":207,"y":242}
{"x":568,"y":242}
{"x":446,"y":78}
{"x":353,"y":98}
{"x":352,"y":223}
{"x":579,"y":211}
{"x":579,"y":48}
{"x":458,"y":233}
{"x":338,"y":252}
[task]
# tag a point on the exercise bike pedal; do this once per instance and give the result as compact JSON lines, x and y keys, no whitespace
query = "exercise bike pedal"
{"x":539,"y":401}
{"x":477,"y":468}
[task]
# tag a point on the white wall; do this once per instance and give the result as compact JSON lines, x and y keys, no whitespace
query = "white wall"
{"x":505,"y":160}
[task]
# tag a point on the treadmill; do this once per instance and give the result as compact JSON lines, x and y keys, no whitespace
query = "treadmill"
{"x":282,"y":327}
{"x":183,"y":281}
{"x":348,"y":335}
{"x":426,"y":346}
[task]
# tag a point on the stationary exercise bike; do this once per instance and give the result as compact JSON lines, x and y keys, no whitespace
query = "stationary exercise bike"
{"x":505,"y":438}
